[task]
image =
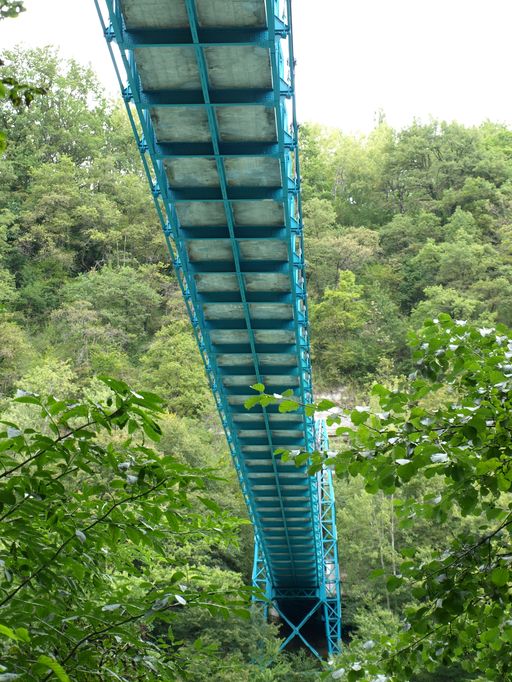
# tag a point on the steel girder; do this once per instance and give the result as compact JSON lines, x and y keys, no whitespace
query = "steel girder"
{"x":212,"y":108}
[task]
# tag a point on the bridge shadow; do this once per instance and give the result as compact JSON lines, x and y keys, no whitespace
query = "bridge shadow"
{"x":313,"y":631}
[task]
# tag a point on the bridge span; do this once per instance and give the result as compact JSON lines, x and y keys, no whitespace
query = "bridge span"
{"x":210,"y":93}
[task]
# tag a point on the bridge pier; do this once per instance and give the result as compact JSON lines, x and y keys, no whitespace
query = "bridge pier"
{"x":306,"y":609}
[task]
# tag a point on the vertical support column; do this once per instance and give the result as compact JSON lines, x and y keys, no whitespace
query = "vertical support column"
{"x":331,"y":587}
{"x":260,"y":580}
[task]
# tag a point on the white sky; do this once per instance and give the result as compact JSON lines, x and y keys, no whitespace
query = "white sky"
{"x":449,"y":59}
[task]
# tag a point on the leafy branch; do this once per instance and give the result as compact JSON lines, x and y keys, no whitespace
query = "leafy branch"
{"x":71,"y":538}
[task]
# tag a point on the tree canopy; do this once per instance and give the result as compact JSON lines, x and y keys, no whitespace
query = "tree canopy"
{"x":125,"y":549}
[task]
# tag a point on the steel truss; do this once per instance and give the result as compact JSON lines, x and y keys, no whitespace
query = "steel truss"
{"x":318,"y":497}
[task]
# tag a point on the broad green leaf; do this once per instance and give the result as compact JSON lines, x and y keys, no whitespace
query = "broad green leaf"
{"x":28,"y":399}
{"x":288,"y":406}
{"x":325,"y":405}
{"x":23,"y":634}
{"x":258,"y":387}
{"x":500,"y":576}
{"x":55,"y":666}
{"x":252,"y":401}
{"x":358,"y":417}
{"x":393,"y":583}
{"x":8,"y":632}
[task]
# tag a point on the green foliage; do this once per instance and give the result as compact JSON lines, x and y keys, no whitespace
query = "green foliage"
{"x":434,"y":201}
{"x":11,"y":8}
{"x":399,"y":226}
{"x":73,"y":108}
{"x":15,"y":92}
{"x":336,"y":324}
{"x":15,"y":352}
{"x":70,"y":496}
{"x":352,"y":249}
{"x":123,"y":300}
{"x":173,"y":368}
{"x":348,"y":336}
{"x":448,"y":431}
{"x":445,"y":300}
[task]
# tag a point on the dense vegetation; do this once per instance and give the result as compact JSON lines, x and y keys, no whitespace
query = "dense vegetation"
{"x":400,"y":226}
{"x":439,"y":449}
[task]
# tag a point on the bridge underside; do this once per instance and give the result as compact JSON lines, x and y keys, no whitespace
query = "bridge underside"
{"x":209,"y":87}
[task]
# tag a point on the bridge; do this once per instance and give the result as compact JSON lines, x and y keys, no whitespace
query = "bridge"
{"x":210,"y":94}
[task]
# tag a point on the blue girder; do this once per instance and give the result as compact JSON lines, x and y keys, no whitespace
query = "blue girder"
{"x":209,"y":91}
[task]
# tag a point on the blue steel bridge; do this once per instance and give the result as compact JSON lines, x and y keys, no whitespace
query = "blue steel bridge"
{"x":210,"y":93}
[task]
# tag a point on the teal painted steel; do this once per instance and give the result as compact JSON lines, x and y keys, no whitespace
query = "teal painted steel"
{"x":209,"y":89}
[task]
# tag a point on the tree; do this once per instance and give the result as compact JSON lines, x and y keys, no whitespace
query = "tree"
{"x":350,"y":333}
{"x":352,"y":249}
{"x":404,"y":235}
{"x":336,"y":325}
{"x":426,"y":161}
{"x":87,"y":512}
{"x":62,"y":217}
{"x":445,"y":300}
{"x":74,"y":109}
{"x":11,"y":8}
{"x":173,"y":368}
{"x":461,"y":437}
{"x":496,"y":296}
{"x":319,"y":217}
{"x":78,"y":332}
{"x":15,"y":353}
{"x":124,"y":299}
{"x":450,"y":423}
{"x":13,"y":90}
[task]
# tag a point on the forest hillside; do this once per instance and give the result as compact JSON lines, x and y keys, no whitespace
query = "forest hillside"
{"x":400,"y":226}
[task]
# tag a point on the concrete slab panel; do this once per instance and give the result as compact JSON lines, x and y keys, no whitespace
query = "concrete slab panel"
{"x":284,"y":434}
{"x":288,"y":417}
{"x":277,"y":359}
{"x":271,"y":311}
{"x":256,"y":418}
{"x":167,"y":68}
{"x":264,"y":212}
{"x":253,"y":171}
{"x":284,"y":487}
{"x":216,"y":282}
{"x":234,"y":360}
{"x":267,"y":282}
{"x":258,"y":311}
{"x":263,"y":249}
{"x":229,"y":336}
{"x":281,"y":380}
{"x":240,"y":66}
{"x":248,"y":123}
{"x":210,"y":249}
{"x":201,"y":213}
{"x":180,"y":124}
{"x":245,"y":380}
{"x":237,"y":399}
{"x":253,"y":433}
{"x":274,"y":336}
{"x":155,"y":14}
{"x":231,"y":13}
{"x":191,"y":172}
{"x":223,"y":311}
